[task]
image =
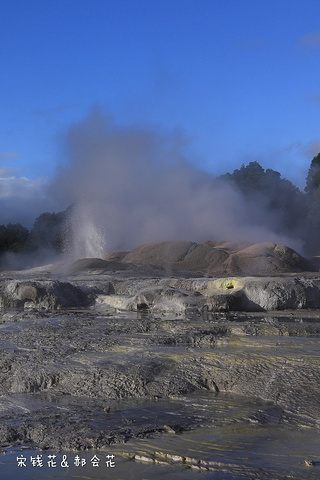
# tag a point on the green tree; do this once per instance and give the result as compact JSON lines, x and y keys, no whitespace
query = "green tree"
{"x":312,"y":190}
{"x":277,"y":195}
{"x":48,"y":232}
{"x":13,"y":237}
{"x":313,"y":178}
{"x":248,"y":177}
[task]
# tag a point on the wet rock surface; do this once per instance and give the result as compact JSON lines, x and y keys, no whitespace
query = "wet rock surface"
{"x":83,"y":380}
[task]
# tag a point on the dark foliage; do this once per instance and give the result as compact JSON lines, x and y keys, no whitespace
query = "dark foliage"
{"x":49,"y":232}
{"x":313,"y":205}
{"x":313,"y":178}
{"x":279,"y":197}
{"x":13,"y":237}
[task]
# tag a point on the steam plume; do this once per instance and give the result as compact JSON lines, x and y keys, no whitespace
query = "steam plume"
{"x":132,"y":185}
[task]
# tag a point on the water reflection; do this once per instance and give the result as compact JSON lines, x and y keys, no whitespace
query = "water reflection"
{"x":244,"y":440}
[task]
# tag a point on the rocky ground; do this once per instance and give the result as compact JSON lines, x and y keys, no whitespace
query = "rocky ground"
{"x":63,"y":374}
{"x":101,"y":352}
{"x":178,"y":277}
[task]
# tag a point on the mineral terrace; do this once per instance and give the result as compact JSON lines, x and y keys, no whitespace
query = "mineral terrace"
{"x":163,"y":320}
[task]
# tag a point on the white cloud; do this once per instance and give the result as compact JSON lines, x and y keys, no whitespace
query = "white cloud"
{"x":23,"y":199}
{"x":7,"y":172}
{"x":22,"y":187}
{"x":313,"y":148}
{"x":315,"y":99}
{"x":255,"y":43}
{"x":9,"y":155}
{"x":310,"y":40}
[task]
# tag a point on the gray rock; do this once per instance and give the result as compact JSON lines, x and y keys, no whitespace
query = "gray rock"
{"x":43,"y":294}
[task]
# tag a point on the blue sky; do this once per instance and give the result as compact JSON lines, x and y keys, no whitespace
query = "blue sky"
{"x":241,"y":78}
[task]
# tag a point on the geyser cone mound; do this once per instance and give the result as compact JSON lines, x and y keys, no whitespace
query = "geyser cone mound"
{"x":177,"y":255}
{"x":266,"y":259}
{"x":211,"y":259}
{"x":85,"y":264}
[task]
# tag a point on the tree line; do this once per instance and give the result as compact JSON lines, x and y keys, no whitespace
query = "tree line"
{"x":49,"y":232}
{"x":288,"y":210}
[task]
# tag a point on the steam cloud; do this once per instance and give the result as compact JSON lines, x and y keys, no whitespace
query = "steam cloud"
{"x":132,"y":185}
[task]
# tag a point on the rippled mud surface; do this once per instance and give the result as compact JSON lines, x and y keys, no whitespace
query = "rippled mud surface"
{"x":225,"y":396}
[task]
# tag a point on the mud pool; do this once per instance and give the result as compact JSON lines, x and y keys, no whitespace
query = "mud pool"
{"x":223,"y":396}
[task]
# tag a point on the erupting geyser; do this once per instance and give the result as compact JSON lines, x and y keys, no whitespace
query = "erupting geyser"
{"x":87,"y":239}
